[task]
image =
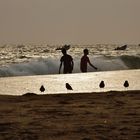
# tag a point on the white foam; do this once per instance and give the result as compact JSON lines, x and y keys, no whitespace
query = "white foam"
{"x":51,"y":66}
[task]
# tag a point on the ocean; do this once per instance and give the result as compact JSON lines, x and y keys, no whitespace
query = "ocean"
{"x":44,"y":59}
{"x":25,"y":68}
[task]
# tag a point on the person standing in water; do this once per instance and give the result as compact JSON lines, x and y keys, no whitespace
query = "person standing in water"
{"x":67,"y":62}
{"x":84,"y":61}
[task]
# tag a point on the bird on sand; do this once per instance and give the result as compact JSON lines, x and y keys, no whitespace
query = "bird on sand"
{"x":42,"y":89}
{"x":102,"y":84}
{"x":126,"y":84}
{"x":68,"y":86}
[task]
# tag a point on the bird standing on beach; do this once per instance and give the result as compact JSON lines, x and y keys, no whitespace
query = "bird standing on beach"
{"x":126,"y":84}
{"x":68,"y":86}
{"x":42,"y":89}
{"x":102,"y":84}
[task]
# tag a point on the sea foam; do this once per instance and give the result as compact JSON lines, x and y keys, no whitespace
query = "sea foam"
{"x":44,"y":66}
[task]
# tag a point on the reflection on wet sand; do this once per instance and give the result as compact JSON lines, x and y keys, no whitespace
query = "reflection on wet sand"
{"x":80,"y":82}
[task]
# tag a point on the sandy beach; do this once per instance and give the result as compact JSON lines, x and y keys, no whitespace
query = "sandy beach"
{"x":69,"y":70}
{"x":93,"y":116}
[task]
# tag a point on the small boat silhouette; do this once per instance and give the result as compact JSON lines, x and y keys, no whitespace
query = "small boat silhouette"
{"x":121,"y":48}
{"x":66,"y":47}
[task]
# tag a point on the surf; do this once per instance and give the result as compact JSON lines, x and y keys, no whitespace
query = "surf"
{"x":46,"y":66}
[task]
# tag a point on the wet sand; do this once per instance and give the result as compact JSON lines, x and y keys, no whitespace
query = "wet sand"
{"x":94,"y":116}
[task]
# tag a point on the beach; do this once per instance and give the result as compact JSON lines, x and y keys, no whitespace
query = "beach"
{"x":109,"y":115}
{"x":87,"y":112}
{"x":69,"y":70}
{"x":80,"y":82}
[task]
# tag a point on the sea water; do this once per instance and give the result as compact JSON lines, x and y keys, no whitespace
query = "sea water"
{"x":80,"y":82}
{"x":42,"y":59}
{"x":25,"y":67}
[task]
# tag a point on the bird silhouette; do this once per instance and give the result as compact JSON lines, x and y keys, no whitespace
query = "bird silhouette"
{"x":126,"y":84}
{"x":102,"y":84}
{"x":68,"y":86}
{"x":42,"y":89}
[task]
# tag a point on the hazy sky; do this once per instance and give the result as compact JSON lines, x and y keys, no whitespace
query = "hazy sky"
{"x":69,"y":21}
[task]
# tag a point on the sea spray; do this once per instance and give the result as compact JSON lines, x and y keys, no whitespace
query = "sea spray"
{"x":43,"y":66}
{"x":45,"y":59}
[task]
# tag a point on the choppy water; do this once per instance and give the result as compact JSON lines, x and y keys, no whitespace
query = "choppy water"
{"x":37,"y":59}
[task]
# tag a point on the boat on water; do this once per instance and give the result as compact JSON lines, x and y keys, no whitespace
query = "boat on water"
{"x":121,"y":48}
{"x":66,"y":47}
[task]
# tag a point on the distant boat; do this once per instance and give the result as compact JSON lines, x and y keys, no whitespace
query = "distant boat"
{"x":121,"y":48}
{"x":67,"y":47}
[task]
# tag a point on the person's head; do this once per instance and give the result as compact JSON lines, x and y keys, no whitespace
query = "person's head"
{"x":64,"y":51}
{"x":86,"y":52}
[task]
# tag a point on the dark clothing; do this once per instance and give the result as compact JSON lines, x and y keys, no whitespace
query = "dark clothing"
{"x":83,"y":64}
{"x":67,"y":63}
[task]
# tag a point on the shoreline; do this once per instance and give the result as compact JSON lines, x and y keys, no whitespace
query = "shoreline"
{"x":32,"y":94}
{"x":87,"y":82}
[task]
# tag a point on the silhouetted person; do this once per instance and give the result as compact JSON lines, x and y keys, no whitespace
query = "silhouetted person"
{"x":68,"y":86}
{"x":102,"y":84}
{"x":84,"y":61}
{"x":67,"y":62}
{"x":42,"y":89}
{"x":126,"y":84}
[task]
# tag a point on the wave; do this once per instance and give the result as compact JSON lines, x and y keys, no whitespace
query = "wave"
{"x":131,"y":61}
{"x":45,"y":66}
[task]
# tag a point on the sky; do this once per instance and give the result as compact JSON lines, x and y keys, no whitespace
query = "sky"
{"x":70,"y":21}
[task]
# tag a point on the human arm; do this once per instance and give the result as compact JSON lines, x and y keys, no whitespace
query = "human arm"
{"x":91,"y":64}
{"x":60,"y":67}
{"x":72,"y":64}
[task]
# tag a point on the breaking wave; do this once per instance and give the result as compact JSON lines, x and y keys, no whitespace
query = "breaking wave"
{"x":45,"y":66}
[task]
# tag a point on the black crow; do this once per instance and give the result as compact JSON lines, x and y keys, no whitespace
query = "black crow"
{"x":102,"y":84}
{"x":68,"y":86}
{"x":42,"y":89}
{"x":126,"y":84}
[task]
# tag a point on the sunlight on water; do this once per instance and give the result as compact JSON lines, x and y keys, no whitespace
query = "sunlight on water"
{"x":37,"y":59}
{"x":87,"y":82}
